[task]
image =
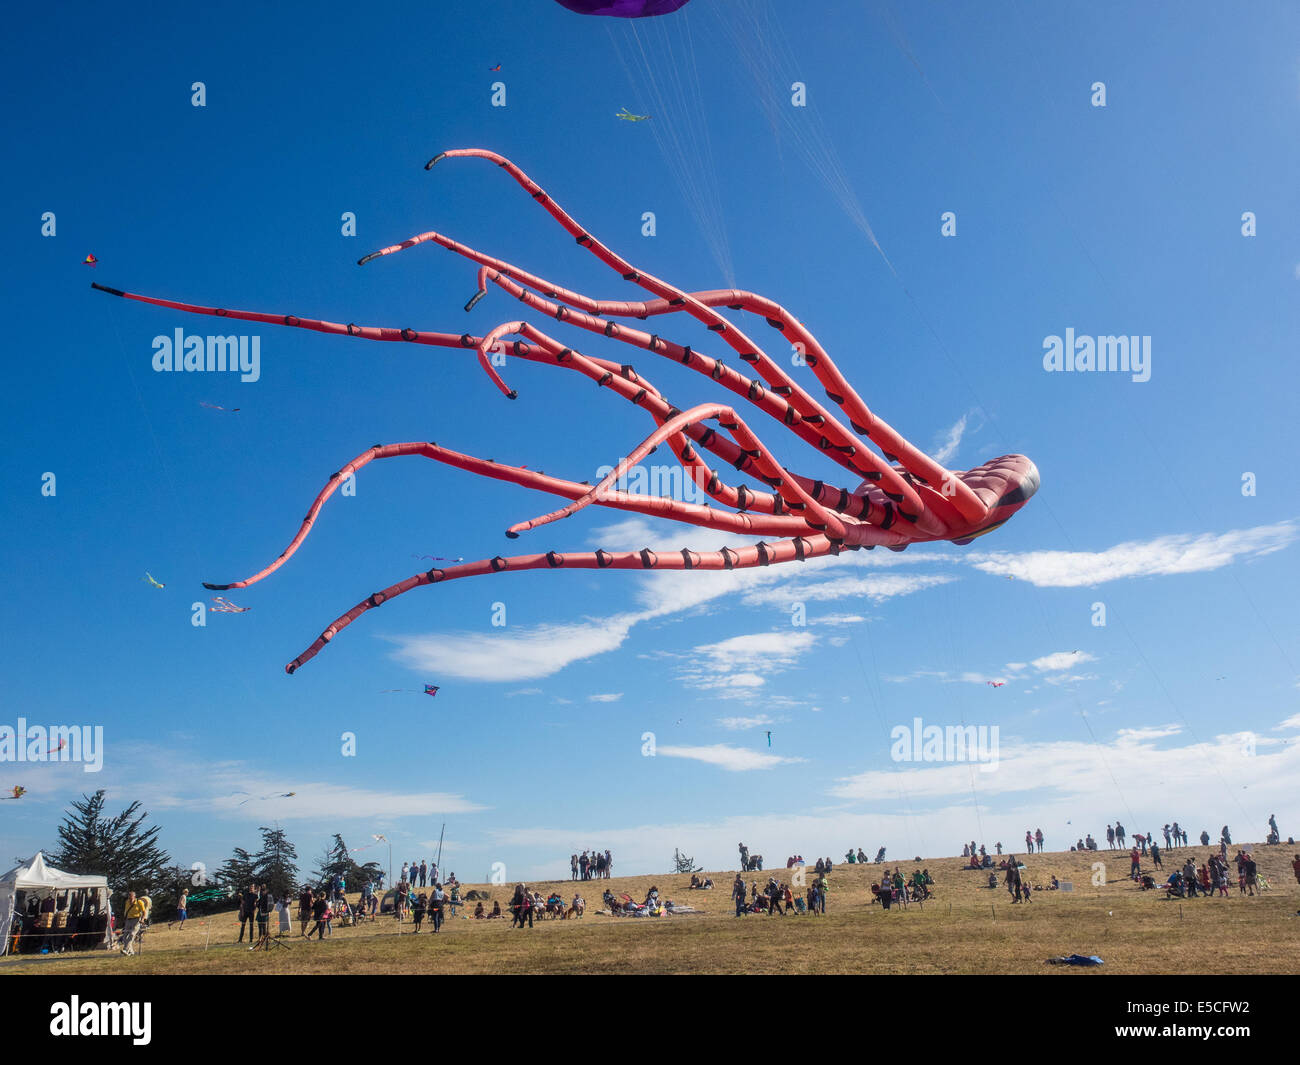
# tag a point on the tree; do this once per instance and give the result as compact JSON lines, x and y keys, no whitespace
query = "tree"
{"x":336,"y":861}
{"x":123,"y":848}
{"x":238,"y":872}
{"x":276,"y":864}
{"x":683,"y":864}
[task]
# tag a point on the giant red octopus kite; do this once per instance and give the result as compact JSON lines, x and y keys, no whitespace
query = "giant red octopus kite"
{"x":905,"y":497}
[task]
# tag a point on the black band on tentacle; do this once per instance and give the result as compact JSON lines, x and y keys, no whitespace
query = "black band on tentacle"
{"x":716,"y":372}
{"x":648,"y":558}
{"x":466,"y":341}
{"x":352,"y":329}
{"x":756,"y":391}
{"x":377,"y":599}
{"x":434,"y":576}
{"x":729,"y":557}
{"x":778,"y":505}
{"x":834,"y":398}
{"x":843,"y":500}
{"x":859,"y":429}
{"x":289,"y":319}
{"x":583,"y":239}
{"x":749,"y":356}
{"x":603,"y":558}
{"x":913,"y":518}
{"x":783,"y":390}
{"x":633,"y":276}
{"x":520,"y":348}
{"x":708,"y":436}
{"x":687,"y":355}
{"x":817,"y":490}
{"x":676,"y":302}
{"x":742,"y":497}
{"x":628,"y":371}
{"x":888,"y":519}
{"x":811,"y":360}
{"x":639,"y":397}
{"x":873,"y":475}
{"x":553,"y":560}
{"x":735,"y":306}
{"x":498,"y":564}
{"x":776,"y":323}
{"x":764,"y":555}
{"x":563,"y":355}
{"x":896,"y":497}
{"x":801,"y":547}
{"x":890,"y":458}
{"x":655,"y":342}
{"x":815,"y":419}
{"x":720,"y":327}
{"x":690,"y":558}
{"x":611,"y":329}
{"x":824,"y":444}
{"x":606,"y":376}
{"x":561,"y":313}
{"x":729,"y":425}
{"x":790,"y":417}
{"x":837,"y":546}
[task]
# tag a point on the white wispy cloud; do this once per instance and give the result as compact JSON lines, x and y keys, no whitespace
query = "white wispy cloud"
{"x":1058,"y":660}
{"x":724,"y":756}
{"x":757,"y":721}
{"x":1163,"y":556}
{"x":951,"y":441}
{"x":606,"y":697}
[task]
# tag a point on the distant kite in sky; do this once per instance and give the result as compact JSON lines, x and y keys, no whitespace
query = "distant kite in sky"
{"x":16,"y":792}
{"x":624,"y":8}
{"x":995,"y":683}
{"x":627,"y":116}
{"x":213,"y":406}
{"x":439,"y":558}
{"x":225,"y":606}
{"x":274,"y":795}
{"x":495,"y":68}
{"x":149,"y":578}
{"x":429,"y":689}
{"x":57,"y":747}
{"x":891,"y":494}
{"x":89,"y":260}
{"x":769,"y":738}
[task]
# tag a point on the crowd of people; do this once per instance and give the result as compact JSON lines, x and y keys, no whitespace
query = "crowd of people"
{"x":780,"y":897}
{"x":591,"y":865}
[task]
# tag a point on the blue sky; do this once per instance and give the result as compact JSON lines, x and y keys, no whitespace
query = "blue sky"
{"x":1123,"y":219}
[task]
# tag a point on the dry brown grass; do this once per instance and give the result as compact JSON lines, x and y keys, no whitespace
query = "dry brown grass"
{"x":966,"y":929}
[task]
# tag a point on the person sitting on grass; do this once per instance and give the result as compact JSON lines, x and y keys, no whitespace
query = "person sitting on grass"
{"x":496,"y":910}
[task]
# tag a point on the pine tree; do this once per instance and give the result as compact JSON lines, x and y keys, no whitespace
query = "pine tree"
{"x":275,"y":865}
{"x":238,"y":872}
{"x":336,"y":861}
{"x":683,"y":864}
{"x":123,"y":848}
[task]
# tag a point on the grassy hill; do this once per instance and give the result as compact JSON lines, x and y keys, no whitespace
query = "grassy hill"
{"x":967,"y":928}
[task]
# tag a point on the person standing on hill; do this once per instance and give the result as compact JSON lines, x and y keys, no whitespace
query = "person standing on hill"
{"x":1155,"y":855}
{"x":1226,"y":837}
{"x":1119,"y":835}
{"x":1167,"y":844}
{"x":1135,"y":864}
{"x":248,"y":912}
{"x":1029,"y":840}
{"x":738,"y":892}
{"x":1038,"y":838}
{"x":1110,"y":837}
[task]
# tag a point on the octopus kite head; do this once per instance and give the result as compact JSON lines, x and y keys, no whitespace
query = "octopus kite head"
{"x":1005,"y":484}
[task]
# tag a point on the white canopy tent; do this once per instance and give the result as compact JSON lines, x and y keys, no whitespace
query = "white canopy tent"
{"x":37,"y":879}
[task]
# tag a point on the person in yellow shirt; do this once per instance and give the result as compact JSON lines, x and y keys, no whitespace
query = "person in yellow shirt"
{"x":137,"y":909}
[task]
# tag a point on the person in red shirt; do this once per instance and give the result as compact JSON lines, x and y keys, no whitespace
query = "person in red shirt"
{"x":1133,"y":857}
